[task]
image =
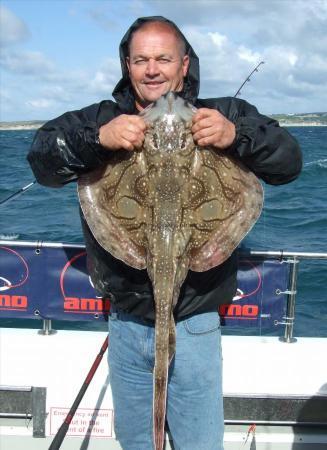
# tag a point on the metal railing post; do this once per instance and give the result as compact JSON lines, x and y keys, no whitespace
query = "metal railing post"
{"x":47,"y":328}
{"x":291,"y":298}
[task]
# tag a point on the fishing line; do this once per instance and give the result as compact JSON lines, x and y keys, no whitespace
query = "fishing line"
{"x":15,"y":194}
{"x":247,"y":79}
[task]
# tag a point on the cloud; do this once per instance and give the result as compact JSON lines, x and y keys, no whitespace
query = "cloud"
{"x":230,"y":38}
{"x":248,"y":55}
{"x":12,"y":29}
{"x":221,"y":60}
{"x":40,"y":103}
{"x":55,"y":92}
{"x":106,"y":77}
{"x":102,"y":19}
{"x":26,"y":62}
{"x":71,"y":89}
{"x":286,"y":83}
{"x":219,"y":40}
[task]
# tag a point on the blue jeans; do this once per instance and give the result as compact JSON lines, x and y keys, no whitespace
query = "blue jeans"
{"x":194,"y":400}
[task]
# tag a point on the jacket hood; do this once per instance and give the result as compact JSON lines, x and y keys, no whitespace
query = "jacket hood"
{"x":123,"y":92}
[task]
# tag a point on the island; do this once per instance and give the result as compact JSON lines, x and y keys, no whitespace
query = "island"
{"x":301,"y":120}
{"x":22,"y":125}
{"x":286,"y":120}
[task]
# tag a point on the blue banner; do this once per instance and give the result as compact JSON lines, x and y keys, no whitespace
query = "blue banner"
{"x":52,"y":282}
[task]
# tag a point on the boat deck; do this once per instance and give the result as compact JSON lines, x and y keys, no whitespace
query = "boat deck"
{"x":281,"y":387}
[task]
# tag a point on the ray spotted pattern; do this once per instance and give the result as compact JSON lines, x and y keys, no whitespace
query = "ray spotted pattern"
{"x":169,"y":207}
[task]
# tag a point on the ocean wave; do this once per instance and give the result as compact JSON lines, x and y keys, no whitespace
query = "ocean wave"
{"x":9,"y":236}
{"x":310,"y":224}
{"x":318,"y":163}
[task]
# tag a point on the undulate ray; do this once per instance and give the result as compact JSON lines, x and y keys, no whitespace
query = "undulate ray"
{"x":169,"y":207}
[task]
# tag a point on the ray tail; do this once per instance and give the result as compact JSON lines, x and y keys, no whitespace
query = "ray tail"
{"x":165,"y":344}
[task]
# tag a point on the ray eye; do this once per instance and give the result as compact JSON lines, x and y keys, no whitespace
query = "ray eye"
{"x":155,"y":140}
{"x":183,"y":141}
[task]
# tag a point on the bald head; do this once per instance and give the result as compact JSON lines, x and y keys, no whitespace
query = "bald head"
{"x":160,"y":27}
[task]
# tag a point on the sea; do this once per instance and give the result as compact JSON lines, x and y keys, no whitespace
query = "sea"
{"x":294,"y":218}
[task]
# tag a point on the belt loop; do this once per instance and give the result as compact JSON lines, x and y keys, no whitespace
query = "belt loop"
{"x":113,"y":311}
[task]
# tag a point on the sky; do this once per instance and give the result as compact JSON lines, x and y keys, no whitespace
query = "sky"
{"x":61,"y":55}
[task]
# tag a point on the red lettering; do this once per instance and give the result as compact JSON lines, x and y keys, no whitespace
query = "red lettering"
{"x":230,"y":310}
{"x":71,"y":303}
{"x":87,"y":304}
{"x":5,"y":300}
{"x":250,"y":310}
{"x":19,"y":301}
{"x":241,"y":311}
{"x":13,"y":301}
{"x":91,"y":304}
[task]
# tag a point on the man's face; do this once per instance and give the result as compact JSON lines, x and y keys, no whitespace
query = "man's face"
{"x":155,"y":64}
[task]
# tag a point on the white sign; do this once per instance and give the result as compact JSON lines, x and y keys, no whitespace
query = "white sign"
{"x":86,"y":422}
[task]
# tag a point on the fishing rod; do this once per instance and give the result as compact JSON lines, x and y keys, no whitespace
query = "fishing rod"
{"x":62,"y":431}
{"x":248,"y":77}
{"x":20,"y":191}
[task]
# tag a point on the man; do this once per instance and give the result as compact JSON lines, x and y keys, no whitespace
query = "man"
{"x":156,"y":58}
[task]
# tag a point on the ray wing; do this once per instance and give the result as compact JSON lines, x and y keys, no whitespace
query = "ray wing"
{"x":226,"y":202}
{"x":113,"y":201}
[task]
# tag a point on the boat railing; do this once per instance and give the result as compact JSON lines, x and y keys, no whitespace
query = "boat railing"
{"x":292,"y":258}
{"x":69,"y":296}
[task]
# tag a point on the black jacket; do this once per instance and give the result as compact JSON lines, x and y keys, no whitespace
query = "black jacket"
{"x":68,"y":146}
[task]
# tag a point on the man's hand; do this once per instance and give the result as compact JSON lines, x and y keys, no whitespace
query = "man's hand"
{"x":212,"y":128}
{"x":124,"y":132}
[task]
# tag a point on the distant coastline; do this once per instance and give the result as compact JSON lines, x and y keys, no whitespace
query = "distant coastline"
{"x":301,"y":120}
{"x":285,"y":120}
{"x":22,"y":125}
{"x":302,"y":124}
